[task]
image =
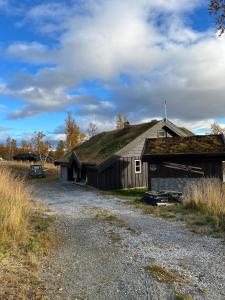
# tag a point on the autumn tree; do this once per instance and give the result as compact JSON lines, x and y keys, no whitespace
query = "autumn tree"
{"x":217,"y":129}
{"x":217,"y":8}
{"x":92,"y":129}
{"x":120,"y":121}
{"x":24,"y":146}
{"x":30,"y":147}
{"x":41,"y":146}
{"x":73,"y":134}
{"x":60,"y":149}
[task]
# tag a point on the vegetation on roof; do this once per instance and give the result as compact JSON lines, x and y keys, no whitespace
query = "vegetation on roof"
{"x":191,"y":144}
{"x":105,"y":144}
{"x":186,"y":131}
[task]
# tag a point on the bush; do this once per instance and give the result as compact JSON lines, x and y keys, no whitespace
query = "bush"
{"x":207,"y":196}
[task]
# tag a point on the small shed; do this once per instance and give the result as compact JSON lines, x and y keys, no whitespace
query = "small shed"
{"x":175,"y":162}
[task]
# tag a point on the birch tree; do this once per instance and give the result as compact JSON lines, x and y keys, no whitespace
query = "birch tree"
{"x":92,"y":129}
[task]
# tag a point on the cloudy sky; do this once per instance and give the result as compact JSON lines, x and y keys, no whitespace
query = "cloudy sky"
{"x":98,"y":58}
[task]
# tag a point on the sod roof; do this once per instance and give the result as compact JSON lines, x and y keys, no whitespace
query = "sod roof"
{"x":180,"y":145}
{"x":186,"y":131}
{"x":105,"y":144}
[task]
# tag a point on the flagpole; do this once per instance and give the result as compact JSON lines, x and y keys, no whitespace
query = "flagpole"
{"x":165,"y":110}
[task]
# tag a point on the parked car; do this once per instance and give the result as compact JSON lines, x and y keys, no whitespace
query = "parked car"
{"x":37,"y":171}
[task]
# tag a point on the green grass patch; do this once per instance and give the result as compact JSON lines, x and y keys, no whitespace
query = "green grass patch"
{"x":182,"y":296}
{"x":41,"y":237}
{"x":163,"y":275}
{"x":138,"y":192}
{"x":105,"y":215}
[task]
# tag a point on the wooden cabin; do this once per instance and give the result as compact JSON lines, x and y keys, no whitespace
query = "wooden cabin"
{"x":112,"y":160}
{"x":174,"y":162}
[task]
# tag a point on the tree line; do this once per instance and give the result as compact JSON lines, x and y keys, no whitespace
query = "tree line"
{"x":39,"y":144}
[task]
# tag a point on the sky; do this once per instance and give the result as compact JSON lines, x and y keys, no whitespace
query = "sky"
{"x":98,"y":58}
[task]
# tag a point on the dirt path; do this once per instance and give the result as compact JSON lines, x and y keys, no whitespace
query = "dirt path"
{"x":105,"y":257}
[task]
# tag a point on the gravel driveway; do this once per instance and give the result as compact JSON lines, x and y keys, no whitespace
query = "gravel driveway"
{"x":98,"y":259}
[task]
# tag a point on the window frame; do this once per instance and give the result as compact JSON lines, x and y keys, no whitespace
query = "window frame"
{"x":161,"y":131}
{"x":137,"y":166}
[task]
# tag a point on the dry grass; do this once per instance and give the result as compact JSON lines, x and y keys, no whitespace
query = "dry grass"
{"x":207,"y":197}
{"x":203,"y":208}
{"x":26,"y":236}
{"x":15,"y":208}
{"x":21,"y":169}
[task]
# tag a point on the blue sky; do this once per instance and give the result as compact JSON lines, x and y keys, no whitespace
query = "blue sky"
{"x":100,"y":58}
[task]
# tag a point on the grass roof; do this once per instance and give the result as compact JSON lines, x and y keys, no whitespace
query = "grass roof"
{"x":186,"y":131}
{"x":190,"y":144}
{"x":105,"y":144}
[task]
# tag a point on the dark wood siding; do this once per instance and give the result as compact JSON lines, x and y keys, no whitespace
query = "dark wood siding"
{"x":120,"y":175}
{"x":92,"y":177}
{"x":209,"y":168}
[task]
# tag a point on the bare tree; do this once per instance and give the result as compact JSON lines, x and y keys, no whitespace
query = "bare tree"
{"x":217,"y":129}
{"x":217,"y":8}
{"x":13,"y":147}
{"x":40,"y":146}
{"x":9,"y":147}
{"x":92,"y":129}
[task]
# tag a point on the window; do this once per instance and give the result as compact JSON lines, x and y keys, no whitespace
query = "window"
{"x":137,"y":166}
{"x":161,"y":133}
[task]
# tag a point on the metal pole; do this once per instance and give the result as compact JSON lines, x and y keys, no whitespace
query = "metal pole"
{"x":165,"y":110}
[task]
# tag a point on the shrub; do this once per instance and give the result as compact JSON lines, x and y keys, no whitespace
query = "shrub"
{"x":207,"y":196}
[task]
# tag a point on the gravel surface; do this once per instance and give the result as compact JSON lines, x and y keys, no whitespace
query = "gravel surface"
{"x":98,"y":259}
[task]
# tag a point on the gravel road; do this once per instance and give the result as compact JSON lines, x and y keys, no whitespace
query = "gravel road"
{"x":99,"y":259}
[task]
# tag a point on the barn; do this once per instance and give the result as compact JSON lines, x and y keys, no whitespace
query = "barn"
{"x":112,"y":160}
{"x":175,"y":162}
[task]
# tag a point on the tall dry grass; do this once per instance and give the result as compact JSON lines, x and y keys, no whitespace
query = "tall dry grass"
{"x":22,"y":168}
{"x":15,"y":208}
{"x":207,"y":196}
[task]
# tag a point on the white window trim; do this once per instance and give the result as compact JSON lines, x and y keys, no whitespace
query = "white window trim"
{"x":139,"y":166}
{"x":161,"y":131}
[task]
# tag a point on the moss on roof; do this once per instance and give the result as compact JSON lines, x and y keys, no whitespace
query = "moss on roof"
{"x":191,"y":144}
{"x":105,"y":144}
{"x":186,"y":131}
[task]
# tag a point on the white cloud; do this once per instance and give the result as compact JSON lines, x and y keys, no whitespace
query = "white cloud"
{"x":31,"y":52}
{"x":103,"y":39}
